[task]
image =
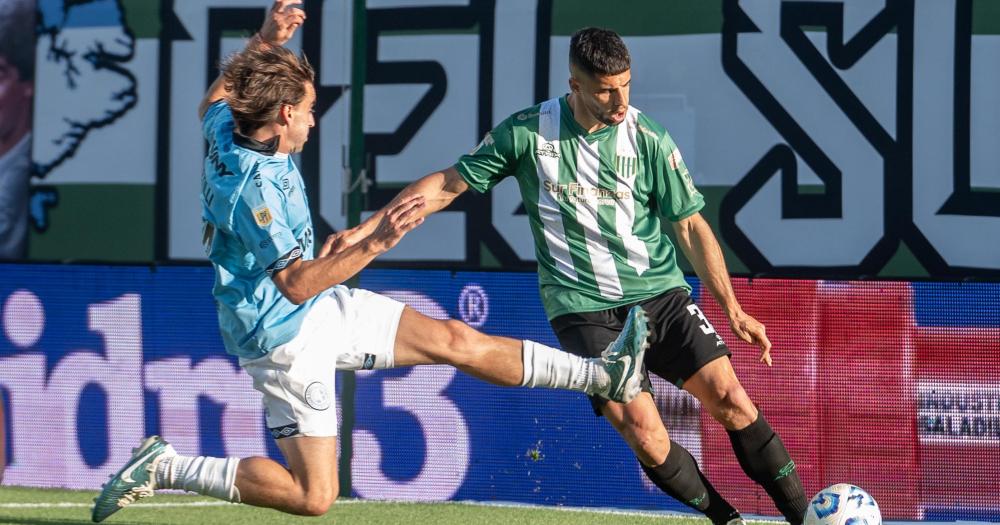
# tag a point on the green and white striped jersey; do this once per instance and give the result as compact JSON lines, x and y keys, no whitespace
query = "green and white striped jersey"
{"x":594,"y":202}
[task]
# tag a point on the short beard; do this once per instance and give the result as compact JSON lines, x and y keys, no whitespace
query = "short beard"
{"x":607,"y":121}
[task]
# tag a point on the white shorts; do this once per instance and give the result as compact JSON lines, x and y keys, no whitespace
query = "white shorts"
{"x":350,"y":329}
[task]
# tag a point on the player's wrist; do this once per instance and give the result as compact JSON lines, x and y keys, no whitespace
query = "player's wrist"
{"x":372,"y":247}
{"x":734,"y":312}
{"x":260,"y":41}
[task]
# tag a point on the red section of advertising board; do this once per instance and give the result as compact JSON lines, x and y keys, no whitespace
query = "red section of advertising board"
{"x":789,"y":311}
{"x":840,"y":393}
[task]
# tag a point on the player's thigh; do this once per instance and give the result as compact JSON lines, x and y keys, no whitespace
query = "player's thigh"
{"x":313,"y":462}
{"x":422,"y":340}
{"x":718,"y":389}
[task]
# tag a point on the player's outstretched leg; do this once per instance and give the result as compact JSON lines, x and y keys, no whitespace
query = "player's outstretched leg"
{"x":617,"y":375}
{"x":623,"y":358}
{"x":136,"y":480}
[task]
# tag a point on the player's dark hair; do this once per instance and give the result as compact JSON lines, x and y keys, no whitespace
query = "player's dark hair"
{"x":17,"y":46}
{"x":599,"y":51}
{"x":261,"y":79}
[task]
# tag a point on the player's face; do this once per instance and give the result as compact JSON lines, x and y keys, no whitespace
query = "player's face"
{"x":604,"y":97}
{"x":301,"y":120}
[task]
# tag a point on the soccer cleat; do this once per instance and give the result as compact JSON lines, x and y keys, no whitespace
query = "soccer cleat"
{"x":624,"y":356}
{"x":136,"y":480}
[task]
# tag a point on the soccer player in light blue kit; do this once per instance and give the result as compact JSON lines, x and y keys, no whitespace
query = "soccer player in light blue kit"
{"x":284,"y":313}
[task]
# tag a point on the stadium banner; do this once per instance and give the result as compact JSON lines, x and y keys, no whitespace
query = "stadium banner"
{"x":830,"y":138}
{"x":890,"y":385}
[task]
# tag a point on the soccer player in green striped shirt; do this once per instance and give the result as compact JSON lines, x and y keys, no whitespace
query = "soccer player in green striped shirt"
{"x":598,"y":178}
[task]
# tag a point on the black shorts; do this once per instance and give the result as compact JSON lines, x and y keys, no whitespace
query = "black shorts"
{"x":681,"y":340}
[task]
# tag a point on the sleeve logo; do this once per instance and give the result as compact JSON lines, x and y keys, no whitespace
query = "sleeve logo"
{"x":487,"y":141}
{"x":262,"y":216}
{"x":675,"y":159}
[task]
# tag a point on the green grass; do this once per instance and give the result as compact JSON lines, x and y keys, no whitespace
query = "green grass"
{"x":75,"y":509}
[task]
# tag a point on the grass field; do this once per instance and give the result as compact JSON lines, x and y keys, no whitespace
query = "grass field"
{"x":63,"y":507}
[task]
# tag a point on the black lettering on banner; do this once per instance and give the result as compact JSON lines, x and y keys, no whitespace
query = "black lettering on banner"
{"x":478,"y":14}
{"x":897,"y":17}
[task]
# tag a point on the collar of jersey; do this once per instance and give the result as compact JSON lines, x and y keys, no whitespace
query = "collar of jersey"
{"x":268,"y":147}
{"x":567,"y":115}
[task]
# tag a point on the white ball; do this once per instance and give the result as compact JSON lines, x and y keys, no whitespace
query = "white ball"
{"x":843,"y":504}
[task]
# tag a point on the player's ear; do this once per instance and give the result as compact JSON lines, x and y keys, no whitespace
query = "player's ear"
{"x":286,"y":113}
{"x":574,"y":80}
{"x":574,"y":85}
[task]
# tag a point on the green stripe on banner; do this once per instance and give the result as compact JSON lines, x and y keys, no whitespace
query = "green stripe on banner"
{"x":638,"y":17}
{"x":143,"y":17}
{"x":986,"y":17}
{"x":106,"y":222}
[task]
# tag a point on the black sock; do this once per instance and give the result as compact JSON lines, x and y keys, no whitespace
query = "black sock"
{"x":765,"y":460}
{"x":681,"y":479}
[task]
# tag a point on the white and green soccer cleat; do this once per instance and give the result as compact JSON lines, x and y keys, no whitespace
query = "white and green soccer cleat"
{"x":136,"y":480}
{"x":624,"y":356}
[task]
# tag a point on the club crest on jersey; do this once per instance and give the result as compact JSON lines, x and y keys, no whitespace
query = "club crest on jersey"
{"x":262,"y":216}
{"x":626,"y":166}
{"x":547,"y":149}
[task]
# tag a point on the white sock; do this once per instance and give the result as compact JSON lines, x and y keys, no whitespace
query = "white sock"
{"x":547,"y":367}
{"x":215,"y":477}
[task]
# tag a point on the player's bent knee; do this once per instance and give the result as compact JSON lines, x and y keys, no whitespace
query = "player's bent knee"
{"x":732,"y":405}
{"x":317,"y":503}
{"x":316,"y":506}
{"x":652,"y":443}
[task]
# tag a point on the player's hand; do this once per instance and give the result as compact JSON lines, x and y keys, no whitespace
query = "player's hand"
{"x":281,"y":22}
{"x":337,"y":242}
{"x":752,"y":331}
{"x":398,"y":220}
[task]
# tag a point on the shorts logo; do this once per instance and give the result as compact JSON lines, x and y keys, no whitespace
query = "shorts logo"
{"x":318,"y":396}
{"x":369,"y":362}
{"x":285,"y":431}
{"x":262,"y":216}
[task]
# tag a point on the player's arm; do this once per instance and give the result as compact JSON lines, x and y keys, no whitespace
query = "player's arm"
{"x":300,"y":280}
{"x":278,"y":28}
{"x":484,"y":167}
{"x":438,"y":190}
{"x":703,"y":251}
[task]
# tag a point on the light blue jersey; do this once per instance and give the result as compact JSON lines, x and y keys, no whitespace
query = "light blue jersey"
{"x":256,"y":222}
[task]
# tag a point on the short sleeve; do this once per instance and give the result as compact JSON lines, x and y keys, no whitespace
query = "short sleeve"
{"x":491,"y":161}
{"x":676,"y":196}
{"x":260,"y":223}
{"x":216,"y":115}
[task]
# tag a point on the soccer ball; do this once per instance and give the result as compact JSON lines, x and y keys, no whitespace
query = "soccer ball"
{"x":843,"y":504}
